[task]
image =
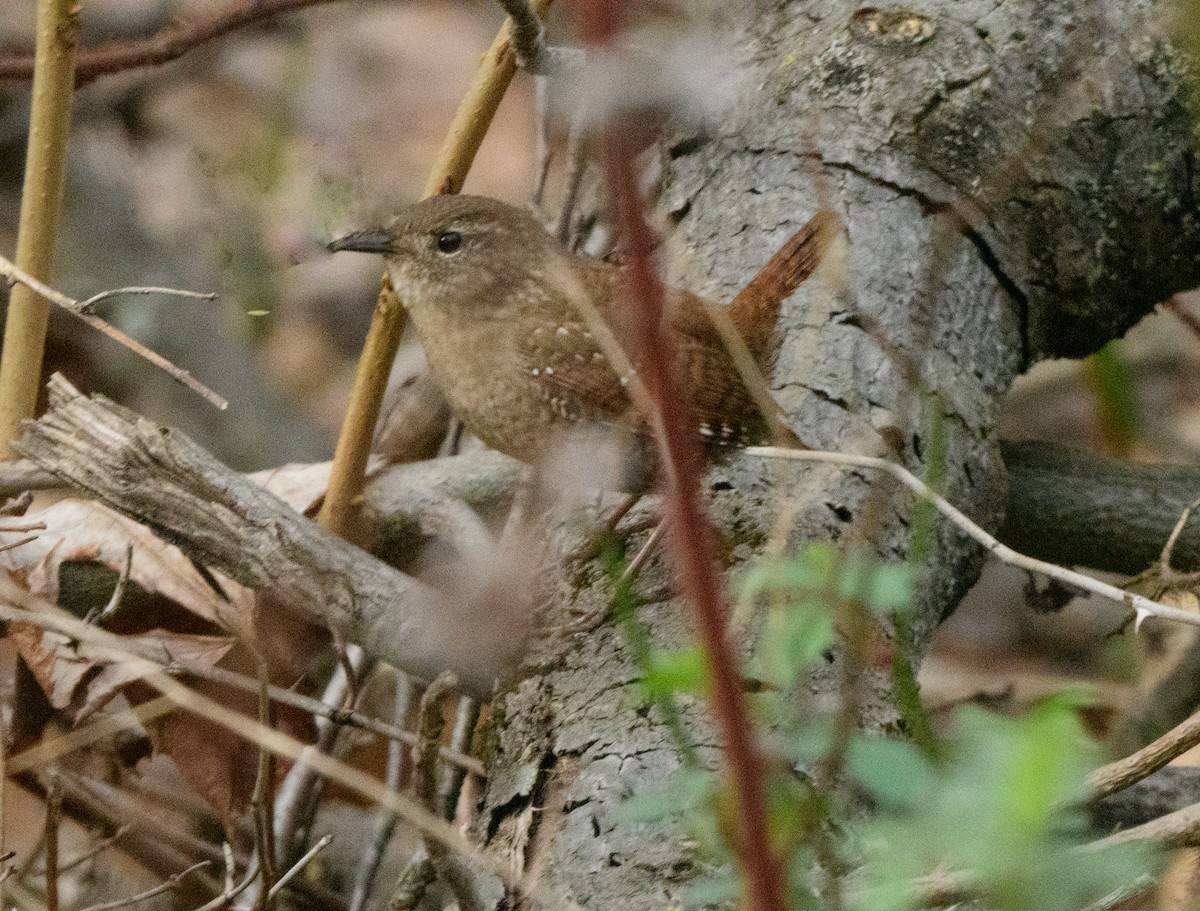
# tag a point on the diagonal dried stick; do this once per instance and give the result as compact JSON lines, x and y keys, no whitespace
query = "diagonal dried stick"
{"x":169,"y":44}
{"x":1142,"y":607}
{"x":82,"y":310}
{"x":66,"y":625}
{"x":1121,"y":773}
{"x":172,"y":882}
{"x":34,"y":610}
{"x":98,"y":848}
{"x":289,"y":875}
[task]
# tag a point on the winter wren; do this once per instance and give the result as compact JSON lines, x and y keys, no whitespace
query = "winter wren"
{"x":494,"y":300}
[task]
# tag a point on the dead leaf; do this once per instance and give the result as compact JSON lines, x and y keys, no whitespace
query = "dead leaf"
{"x":79,"y":530}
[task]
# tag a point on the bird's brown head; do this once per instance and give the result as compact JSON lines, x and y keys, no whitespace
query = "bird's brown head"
{"x":458,"y":253}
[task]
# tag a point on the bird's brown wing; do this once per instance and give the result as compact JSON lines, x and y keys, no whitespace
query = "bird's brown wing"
{"x":724,"y":410}
{"x":567,"y":362}
{"x":578,"y":379}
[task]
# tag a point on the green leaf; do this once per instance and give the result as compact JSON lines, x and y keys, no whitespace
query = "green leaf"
{"x":890,"y":588}
{"x":892,"y":770}
{"x":809,"y":571}
{"x":670,"y":672}
{"x":812,"y":741}
{"x":792,"y":639}
{"x":718,"y":889}
{"x":686,"y":791}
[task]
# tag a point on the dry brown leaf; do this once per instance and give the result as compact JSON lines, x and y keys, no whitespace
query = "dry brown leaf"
{"x":299,"y":486}
{"x":82,"y":530}
{"x":80,"y":678}
{"x":220,"y":765}
{"x":1182,"y":598}
{"x":302,"y":487}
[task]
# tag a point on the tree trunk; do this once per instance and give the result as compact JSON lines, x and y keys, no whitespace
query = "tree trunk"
{"x":1016,"y":182}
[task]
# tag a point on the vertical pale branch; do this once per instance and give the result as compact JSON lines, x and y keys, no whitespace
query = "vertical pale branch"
{"x":462,"y":142}
{"x":41,"y":201}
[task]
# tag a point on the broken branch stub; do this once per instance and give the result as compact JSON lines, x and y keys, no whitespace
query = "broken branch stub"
{"x":161,"y":478}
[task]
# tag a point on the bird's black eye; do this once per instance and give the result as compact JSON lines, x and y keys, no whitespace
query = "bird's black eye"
{"x":449,"y":242}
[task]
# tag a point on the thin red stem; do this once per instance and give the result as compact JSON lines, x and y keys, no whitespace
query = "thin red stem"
{"x":692,"y":537}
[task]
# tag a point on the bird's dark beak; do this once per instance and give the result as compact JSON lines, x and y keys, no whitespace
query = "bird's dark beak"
{"x":369,"y":240}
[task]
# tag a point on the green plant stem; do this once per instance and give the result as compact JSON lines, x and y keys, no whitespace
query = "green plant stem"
{"x":920,"y":542}
{"x":641,"y":650}
{"x":41,"y":202}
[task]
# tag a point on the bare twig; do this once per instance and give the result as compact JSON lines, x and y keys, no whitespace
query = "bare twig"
{"x":53,"y":821}
{"x":543,"y":153}
{"x":528,"y":33}
{"x":466,"y":716}
{"x":262,"y":799}
{"x":41,"y":201}
{"x":299,"y":792}
{"x":456,"y":877}
{"x":22,"y":526}
{"x":1143,"y":607}
{"x":13,"y":545}
{"x":351,"y":778}
{"x":64,"y":623}
{"x":89,"y":305}
{"x":230,"y":864}
{"x":99,"y":615}
{"x":98,"y":848}
{"x":1120,"y":774}
{"x":529,"y":41}
{"x":1180,"y":829}
{"x":248,"y":728}
{"x":573,"y":180}
{"x":289,"y":875}
{"x":1164,"y":562}
{"x":172,"y":882}
{"x":231,"y":891}
{"x":82,"y":311}
{"x":119,"y":805}
{"x":169,"y":44}
{"x":385,"y":820}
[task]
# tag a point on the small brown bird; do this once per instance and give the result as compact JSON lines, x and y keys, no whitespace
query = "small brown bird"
{"x":496,"y":302}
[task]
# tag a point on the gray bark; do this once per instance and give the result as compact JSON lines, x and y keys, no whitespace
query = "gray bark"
{"x":1056,"y":136}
